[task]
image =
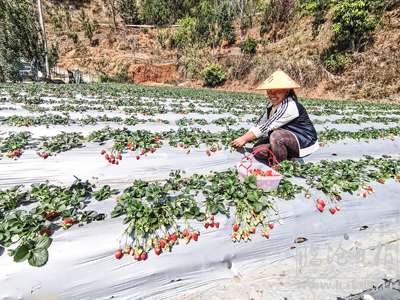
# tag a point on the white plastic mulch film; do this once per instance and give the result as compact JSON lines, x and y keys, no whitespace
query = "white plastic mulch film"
{"x":81,"y":261}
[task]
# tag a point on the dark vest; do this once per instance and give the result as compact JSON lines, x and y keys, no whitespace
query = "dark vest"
{"x":302,"y":127}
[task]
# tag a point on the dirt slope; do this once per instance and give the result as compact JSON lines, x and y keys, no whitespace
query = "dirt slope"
{"x":141,"y":53}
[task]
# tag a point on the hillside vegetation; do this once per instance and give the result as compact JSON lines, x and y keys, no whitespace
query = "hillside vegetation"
{"x":335,"y":49}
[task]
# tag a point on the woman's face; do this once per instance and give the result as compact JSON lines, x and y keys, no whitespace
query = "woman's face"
{"x":276,"y":96}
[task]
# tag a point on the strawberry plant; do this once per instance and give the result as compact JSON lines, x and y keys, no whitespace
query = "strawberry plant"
{"x":225,"y":121}
{"x":104,"y":193}
{"x":337,"y":177}
{"x":34,"y":121}
{"x":151,"y":214}
{"x":23,"y":228}
{"x":186,"y":122}
{"x":14,"y":144}
{"x":59,"y":143}
{"x":55,"y":207}
{"x":366,"y":133}
{"x":11,"y":199}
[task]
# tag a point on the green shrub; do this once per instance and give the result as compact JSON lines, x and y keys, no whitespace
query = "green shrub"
{"x":163,"y":37}
{"x":249,"y":46}
{"x":155,"y":12}
{"x":214,"y":23}
{"x":10,"y":68}
{"x":103,"y":77}
{"x":225,"y":17}
{"x":53,"y":55}
{"x":128,"y":11}
{"x":57,"y":22}
{"x":88,"y":26}
{"x":73,"y":36}
{"x":353,"y":21}
{"x":213,"y":75}
{"x":316,"y":9}
{"x":121,"y":76}
{"x":185,"y":34}
{"x":336,"y":62}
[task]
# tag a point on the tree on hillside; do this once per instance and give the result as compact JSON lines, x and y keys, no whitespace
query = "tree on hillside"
{"x":128,"y":10}
{"x":112,"y":6}
{"x":245,"y":10}
{"x":214,"y":22}
{"x":20,"y":37}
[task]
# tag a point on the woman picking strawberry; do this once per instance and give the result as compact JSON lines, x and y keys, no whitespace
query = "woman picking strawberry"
{"x":285,"y":127}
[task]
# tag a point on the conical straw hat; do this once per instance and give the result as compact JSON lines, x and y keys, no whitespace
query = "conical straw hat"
{"x":277,"y":81}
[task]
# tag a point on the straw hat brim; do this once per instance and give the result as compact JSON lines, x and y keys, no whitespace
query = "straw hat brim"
{"x":279,"y":80}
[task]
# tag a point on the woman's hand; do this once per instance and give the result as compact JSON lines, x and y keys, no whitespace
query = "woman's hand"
{"x":239,"y":142}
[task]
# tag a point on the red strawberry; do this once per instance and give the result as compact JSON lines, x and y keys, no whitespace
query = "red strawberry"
{"x":320,"y":207}
{"x":143,"y":151}
{"x":45,"y":155}
{"x":212,"y":218}
{"x":253,"y":230}
{"x":119,"y":156}
{"x":322,"y":202}
{"x":68,"y":221}
{"x":107,"y":157}
{"x":271,"y":225}
{"x":163,"y":243}
{"x":235,"y":227}
{"x":137,"y":157}
{"x":217,"y":225}
{"x":137,"y":257}
{"x":143,"y":256}
{"x":206,"y":225}
{"x":17,"y":153}
{"x":185,"y":232}
{"x":195,"y":236}
{"x":157,"y":250}
{"x":332,"y":210}
{"x":103,"y":152}
{"x":152,"y":150}
{"x":118,"y":254}
{"x":212,"y":225}
{"x":173,"y":237}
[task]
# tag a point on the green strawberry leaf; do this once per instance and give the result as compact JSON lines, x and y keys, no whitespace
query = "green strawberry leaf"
{"x":21,"y":253}
{"x":38,"y":257}
{"x":43,"y":242}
